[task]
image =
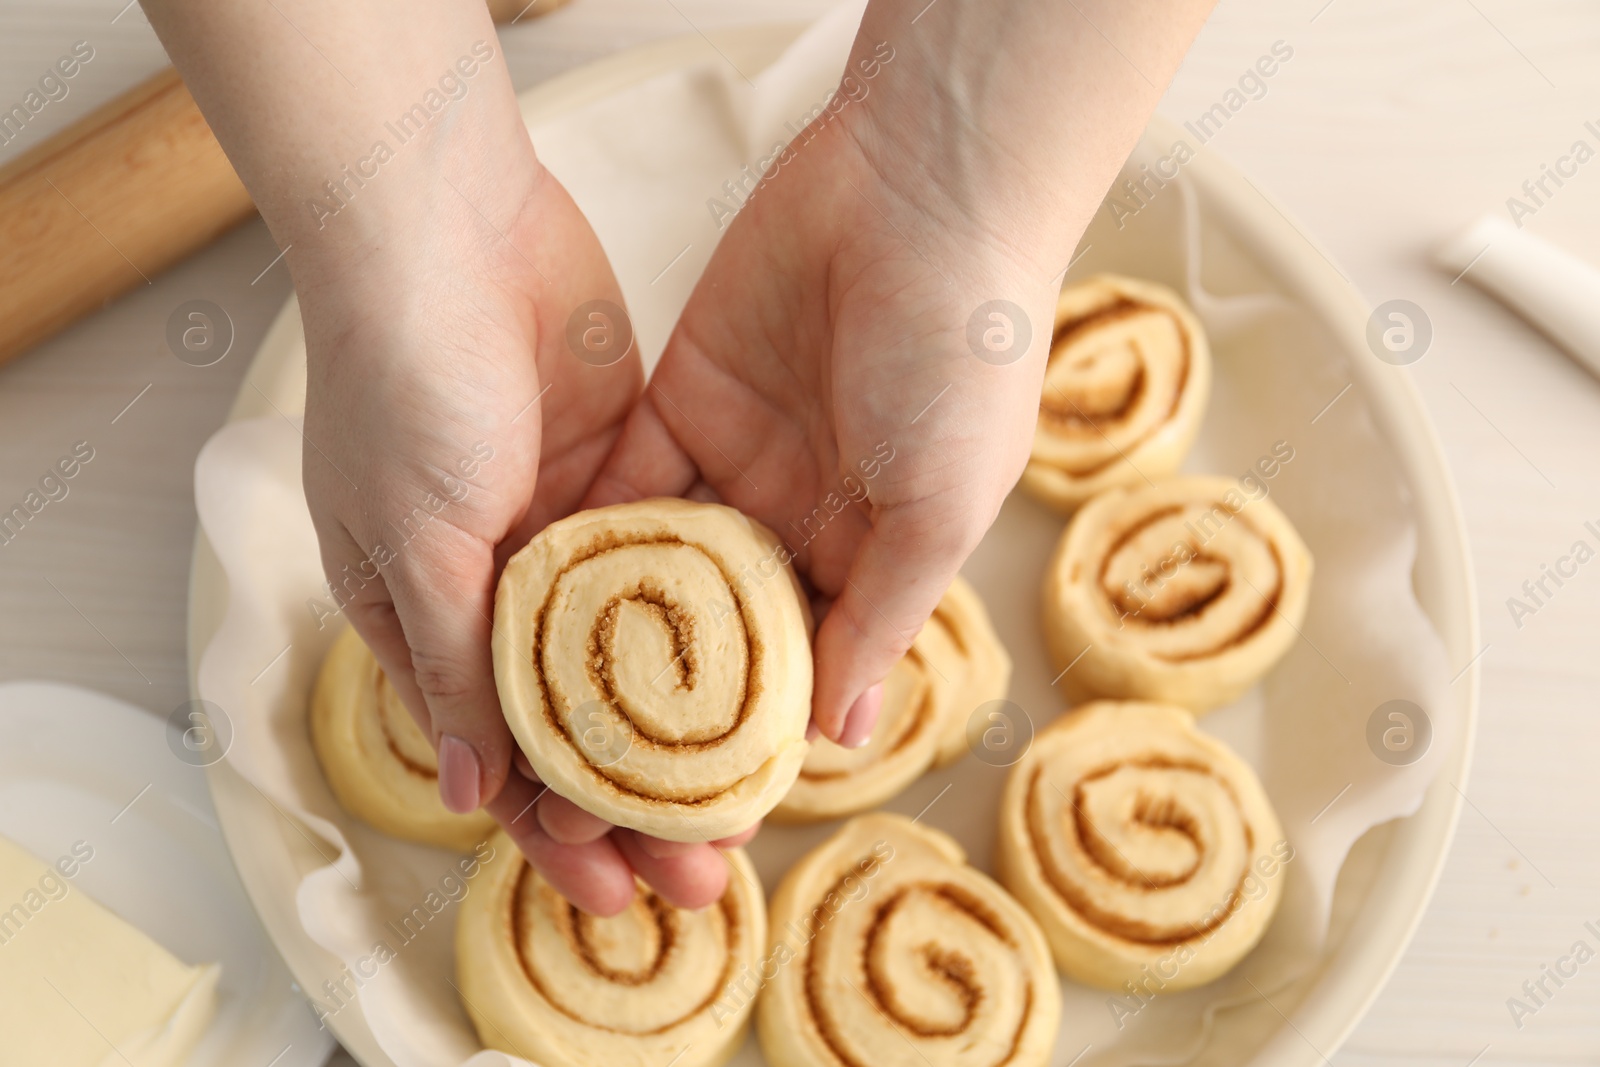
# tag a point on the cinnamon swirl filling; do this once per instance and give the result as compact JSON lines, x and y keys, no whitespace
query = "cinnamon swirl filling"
{"x":1187,"y":590}
{"x":1138,"y":841}
{"x":1125,"y":388}
{"x":650,"y":670}
{"x":929,"y":952}
{"x":653,"y":984}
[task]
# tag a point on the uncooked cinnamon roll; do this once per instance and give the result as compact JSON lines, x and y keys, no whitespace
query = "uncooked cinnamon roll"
{"x":884,"y":938}
{"x":377,"y":760}
{"x":1147,"y":851}
{"x":1185,"y":591}
{"x":654,"y":663}
{"x":955,"y":665}
{"x":1124,"y":390}
{"x":654,"y":985}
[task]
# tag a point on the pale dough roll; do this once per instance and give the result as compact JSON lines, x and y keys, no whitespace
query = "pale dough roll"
{"x":654,"y":663}
{"x":1125,"y":389}
{"x":955,"y":665}
{"x":1186,"y":591}
{"x":884,"y":938}
{"x":1147,"y":850}
{"x":654,"y":985}
{"x":377,"y":760}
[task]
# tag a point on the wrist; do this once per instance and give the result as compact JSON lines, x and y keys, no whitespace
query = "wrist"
{"x":447,"y":156}
{"x":1009,"y":118}
{"x":980,"y":180}
{"x":450,"y":224}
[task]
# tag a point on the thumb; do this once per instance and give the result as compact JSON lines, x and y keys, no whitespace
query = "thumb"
{"x":900,"y":571}
{"x":443,"y":588}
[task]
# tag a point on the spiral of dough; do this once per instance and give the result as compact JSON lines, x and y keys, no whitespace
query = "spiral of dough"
{"x":654,"y":663}
{"x":653,"y":985}
{"x":1147,"y":850}
{"x":1185,"y":591}
{"x":884,"y":938}
{"x":1125,"y":389}
{"x":955,"y":665}
{"x":380,"y":765}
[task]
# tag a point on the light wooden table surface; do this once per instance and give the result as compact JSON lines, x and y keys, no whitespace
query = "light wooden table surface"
{"x":1395,"y":123}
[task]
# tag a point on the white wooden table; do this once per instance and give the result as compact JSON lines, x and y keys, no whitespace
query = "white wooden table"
{"x":1395,"y":123}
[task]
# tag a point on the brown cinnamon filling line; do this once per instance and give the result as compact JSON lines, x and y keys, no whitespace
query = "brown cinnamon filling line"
{"x":576,"y":928}
{"x":949,"y":966}
{"x":383,"y":691}
{"x":1158,"y":811}
{"x":1069,"y":416}
{"x":679,"y":624}
{"x":1197,"y":607}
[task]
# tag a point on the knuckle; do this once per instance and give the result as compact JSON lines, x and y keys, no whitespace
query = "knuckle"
{"x":441,"y":679}
{"x":874,"y":631}
{"x":897,"y":642}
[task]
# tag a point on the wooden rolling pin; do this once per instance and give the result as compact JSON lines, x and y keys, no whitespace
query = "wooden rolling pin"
{"x":116,"y":198}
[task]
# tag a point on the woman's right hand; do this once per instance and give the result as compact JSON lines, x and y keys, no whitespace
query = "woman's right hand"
{"x":448,"y":419}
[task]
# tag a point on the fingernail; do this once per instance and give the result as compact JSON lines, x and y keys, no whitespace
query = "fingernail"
{"x":813,"y":731}
{"x":656,"y":848}
{"x":524,"y":767}
{"x":459,"y":774}
{"x":862,"y":717}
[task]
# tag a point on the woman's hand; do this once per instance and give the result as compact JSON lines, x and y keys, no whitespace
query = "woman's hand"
{"x":860,"y":365}
{"x":821,"y":380}
{"x":448,"y":419}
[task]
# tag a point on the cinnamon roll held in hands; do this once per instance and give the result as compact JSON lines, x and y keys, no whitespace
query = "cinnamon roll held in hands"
{"x":1147,"y":850}
{"x":377,"y":760}
{"x":656,"y":984}
{"x":884,"y":937}
{"x":955,"y":665}
{"x":1186,"y":591}
{"x":1124,"y":390}
{"x":654,"y":664}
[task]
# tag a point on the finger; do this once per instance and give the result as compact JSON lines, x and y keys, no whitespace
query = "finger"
{"x":662,"y":849}
{"x":647,"y":461}
{"x":821,"y":604}
{"x":519,"y":760}
{"x":893,"y":586}
{"x":862,"y":717}
{"x":564,"y":478}
{"x":567,"y":823}
{"x":736,"y":840}
{"x":593,"y":875}
{"x":694,"y":879}
{"x":702,"y":493}
{"x":369,"y":608}
{"x":826,"y":545}
{"x":443,"y":589}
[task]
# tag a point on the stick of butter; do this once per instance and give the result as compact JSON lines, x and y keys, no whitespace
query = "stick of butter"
{"x":79,"y":987}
